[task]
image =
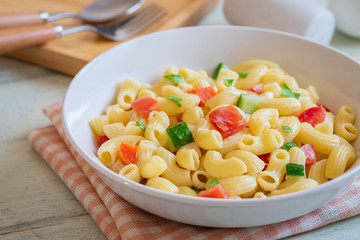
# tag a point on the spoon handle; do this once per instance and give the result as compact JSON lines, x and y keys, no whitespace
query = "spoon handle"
{"x":22,"y":19}
{"x":19,"y":37}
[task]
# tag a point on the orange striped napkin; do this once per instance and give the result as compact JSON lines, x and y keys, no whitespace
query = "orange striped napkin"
{"x":119,"y":219}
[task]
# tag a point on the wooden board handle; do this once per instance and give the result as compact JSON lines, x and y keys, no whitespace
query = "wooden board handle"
{"x":14,"y":38}
{"x":20,"y":19}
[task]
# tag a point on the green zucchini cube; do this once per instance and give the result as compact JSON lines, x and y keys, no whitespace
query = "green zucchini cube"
{"x":294,"y":169}
{"x":249,"y":103}
{"x":180,"y":134}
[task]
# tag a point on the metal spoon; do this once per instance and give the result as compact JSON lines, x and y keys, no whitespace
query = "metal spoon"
{"x":97,"y":12}
{"x":14,"y":38}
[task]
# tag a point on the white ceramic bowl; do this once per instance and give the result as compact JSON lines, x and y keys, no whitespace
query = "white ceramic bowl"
{"x":145,"y":58}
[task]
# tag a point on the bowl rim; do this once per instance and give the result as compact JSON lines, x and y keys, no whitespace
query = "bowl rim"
{"x":98,"y":166}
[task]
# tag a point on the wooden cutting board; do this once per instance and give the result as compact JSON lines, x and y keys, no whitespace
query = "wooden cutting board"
{"x":70,"y":53}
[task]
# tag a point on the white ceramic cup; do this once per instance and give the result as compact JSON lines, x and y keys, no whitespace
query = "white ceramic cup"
{"x":307,"y":18}
{"x":347,"y":14}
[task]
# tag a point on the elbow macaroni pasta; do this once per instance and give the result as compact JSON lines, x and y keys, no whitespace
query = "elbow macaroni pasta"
{"x":229,"y":95}
{"x":285,"y":106}
{"x":268,"y":142}
{"x":253,"y":163}
{"x":157,"y":124}
{"x":340,"y":158}
{"x":116,"y":114}
{"x":298,"y":186}
{"x":250,"y":162}
{"x":262,"y":120}
{"x":108,"y":152}
{"x":271,"y":178}
{"x":293,"y":123}
{"x":321,"y":142}
{"x":344,"y":124}
{"x":254,"y":76}
{"x":238,"y":185}
{"x":193,"y":115}
{"x":188,"y":156}
{"x":131,"y":172}
{"x":177,"y":175}
{"x":318,"y":170}
{"x":127,"y":93}
{"x":206,"y":138}
{"x":218,"y":167}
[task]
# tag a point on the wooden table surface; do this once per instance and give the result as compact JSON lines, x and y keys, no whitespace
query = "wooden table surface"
{"x":70,"y":53}
{"x":34,"y":202}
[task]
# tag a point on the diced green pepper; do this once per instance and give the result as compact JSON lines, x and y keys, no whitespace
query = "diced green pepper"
{"x":287,"y":129}
{"x":175,"y":99}
{"x":180,"y":134}
{"x":289,"y":145}
{"x":228,"y":82}
{"x":249,"y":103}
{"x":141,"y":125}
{"x":294,"y":169}
{"x":243,"y":74}
{"x":218,"y":69}
{"x":213,"y":182}
{"x":287,"y":92}
{"x":196,"y":189}
{"x":175,"y":78}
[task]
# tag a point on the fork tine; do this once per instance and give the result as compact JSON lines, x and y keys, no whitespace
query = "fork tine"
{"x":140,"y":21}
{"x":148,"y":11}
{"x":122,"y":30}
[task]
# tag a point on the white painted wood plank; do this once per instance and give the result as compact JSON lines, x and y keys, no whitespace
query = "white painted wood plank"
{"x":81,"y":227}
{"x":32,"y":196}
{"x":347,"y":229}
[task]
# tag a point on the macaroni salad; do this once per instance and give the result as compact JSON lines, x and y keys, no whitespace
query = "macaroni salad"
{"x":245,"y":132}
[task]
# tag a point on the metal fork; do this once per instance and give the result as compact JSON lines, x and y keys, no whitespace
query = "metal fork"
{"x":122,"y":30}
{"x":14,"y":38}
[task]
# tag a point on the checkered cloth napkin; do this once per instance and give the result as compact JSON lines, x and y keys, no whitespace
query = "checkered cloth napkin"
{"x":118,"y":219}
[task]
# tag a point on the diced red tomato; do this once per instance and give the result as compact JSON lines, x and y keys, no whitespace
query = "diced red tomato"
{"x":128,"y":153}
{"x":102,"y":139}
{"x":258,"y":89}
{"x":144,"y":106}
{"x":313,"y":115}
{"x":308,"y":149}
{"x":265,"y":166}
{"x":214,"y":192}
{"x":204,"y":93}
{"x":325,"y":107}
{"x":264,"y":157}
{"x":227,"y":120}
